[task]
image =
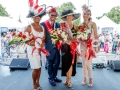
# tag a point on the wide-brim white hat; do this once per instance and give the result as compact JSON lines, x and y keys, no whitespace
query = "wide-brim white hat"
{"x":35,"y":9}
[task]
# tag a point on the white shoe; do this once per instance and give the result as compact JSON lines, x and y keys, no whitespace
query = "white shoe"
{"x":90,"y":85}
{"x":83,"y":83}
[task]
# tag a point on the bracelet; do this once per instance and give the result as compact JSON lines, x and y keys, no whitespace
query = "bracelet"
{"x":96,"y":43}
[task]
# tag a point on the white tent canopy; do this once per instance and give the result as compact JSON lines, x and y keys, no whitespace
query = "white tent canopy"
{"x":118,"y":28}
{"x":118,"y":25}
{"x":10,"y":23}
{"x":106,"y":25}
{"x":106,"y":22}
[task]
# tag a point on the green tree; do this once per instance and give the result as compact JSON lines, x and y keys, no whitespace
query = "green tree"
{"x":3,"y":11}
{"x":101,"y":16}
{"x":66,"y":6}
{"x":113,"y":14}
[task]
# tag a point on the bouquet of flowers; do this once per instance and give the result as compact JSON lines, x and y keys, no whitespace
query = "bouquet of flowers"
{"x":20,"y":38}
{"x":57,"y":35}
{"x":83,"y":32}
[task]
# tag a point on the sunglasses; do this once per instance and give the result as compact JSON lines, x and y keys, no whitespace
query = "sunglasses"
{"x":53,"y":15}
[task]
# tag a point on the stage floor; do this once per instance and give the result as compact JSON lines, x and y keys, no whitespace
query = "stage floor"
{"x":21,"y":80}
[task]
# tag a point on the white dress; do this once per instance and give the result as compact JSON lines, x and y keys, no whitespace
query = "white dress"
{"x":36,"y":59}
{"x":13,"y":52}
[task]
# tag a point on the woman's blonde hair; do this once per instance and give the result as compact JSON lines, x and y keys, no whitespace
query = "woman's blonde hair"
{"x":86,"y":9}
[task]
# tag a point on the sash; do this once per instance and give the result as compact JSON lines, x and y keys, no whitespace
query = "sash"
{"x":40,"y":49}
{"x":48,"y":26}
{"x":90,"y":53}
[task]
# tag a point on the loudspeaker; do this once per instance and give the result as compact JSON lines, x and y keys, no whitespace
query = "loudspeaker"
{"x":19,"y":63}
{"x":114,"y":64}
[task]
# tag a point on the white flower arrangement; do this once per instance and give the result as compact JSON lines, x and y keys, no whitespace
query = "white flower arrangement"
{"x":83,"y":32}
{"x":57,"y":35}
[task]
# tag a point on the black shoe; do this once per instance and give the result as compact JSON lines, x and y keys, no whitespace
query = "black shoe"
{"x":57,"y":80}
{"x":52,"y":82}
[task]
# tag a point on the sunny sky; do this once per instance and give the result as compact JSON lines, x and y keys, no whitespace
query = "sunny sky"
{"x":20,"y":7}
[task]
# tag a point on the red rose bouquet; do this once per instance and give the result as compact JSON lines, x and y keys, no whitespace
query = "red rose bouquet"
{"x":83,"y":32}
{"x":57,"y":36}
{"x":20,"y":38}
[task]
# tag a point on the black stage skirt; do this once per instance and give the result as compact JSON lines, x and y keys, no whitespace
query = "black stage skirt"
{"x":67,"y":60}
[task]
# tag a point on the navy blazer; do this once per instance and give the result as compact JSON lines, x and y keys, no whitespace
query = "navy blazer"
{"x":48,"y":42}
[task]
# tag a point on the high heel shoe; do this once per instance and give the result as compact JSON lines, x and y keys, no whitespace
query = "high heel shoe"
{"x":83,"y":83}
{"x":69,"y":84}
{"x":90,"y":85}
{"x":39,"y":88}
{"x":34,"y":87}
{"x":66,"y":82}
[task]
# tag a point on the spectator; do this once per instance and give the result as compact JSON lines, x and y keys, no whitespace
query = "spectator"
{"x":118,"y":48}
{"x":102,"y":38}
{"x":6,"y":43}
{"x":106,"y":46}
{"x":110,"y":38}
{"x":13,"y":51}
{"x":115,"y":43}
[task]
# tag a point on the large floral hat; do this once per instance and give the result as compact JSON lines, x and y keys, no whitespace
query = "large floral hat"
{"x":69,"y":12}
{"x":35,"y":9}
{"x":85,"y":8}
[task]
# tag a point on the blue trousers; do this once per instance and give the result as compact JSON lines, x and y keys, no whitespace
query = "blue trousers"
{"x":102,"y":45}
{"x":53,"y":61}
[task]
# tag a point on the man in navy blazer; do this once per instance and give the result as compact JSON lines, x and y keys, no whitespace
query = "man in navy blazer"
{"x":53,"y":59}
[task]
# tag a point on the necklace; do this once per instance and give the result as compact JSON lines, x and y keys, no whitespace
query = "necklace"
{"x":86,"y":24}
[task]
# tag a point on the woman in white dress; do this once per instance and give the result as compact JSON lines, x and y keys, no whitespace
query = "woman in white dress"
{"x":87,"y":68}
{"x":35,"y":29}
{"x":14,"y":51}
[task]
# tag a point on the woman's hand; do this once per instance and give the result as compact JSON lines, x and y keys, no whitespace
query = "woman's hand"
{"x":69,"y":42}
{"x":42,"y":45}
{"x":31,"y":43}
